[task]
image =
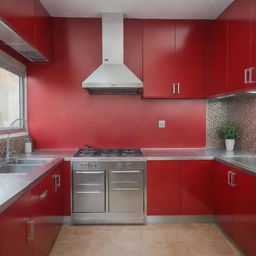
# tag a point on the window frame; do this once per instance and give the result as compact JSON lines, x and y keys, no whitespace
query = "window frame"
{"x":12,"y":65}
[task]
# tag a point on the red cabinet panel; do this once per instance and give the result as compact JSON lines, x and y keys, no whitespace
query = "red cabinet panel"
{"x":191,"y":51}
{"x":159,"y":63}
{"x":218,"y":57}
{"x":239,"y":42}
{"x":163,"y":187}
{"x":43,"y":31}
{"x":244,"y":217}
{"x":20,"y":16}
{"x":14,"y":230}
{"x":197,"y":186}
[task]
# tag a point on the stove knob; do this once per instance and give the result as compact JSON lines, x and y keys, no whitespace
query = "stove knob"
{"x":128,"y":165}
{"x":95,"y":165}
{"x":119,"y":165}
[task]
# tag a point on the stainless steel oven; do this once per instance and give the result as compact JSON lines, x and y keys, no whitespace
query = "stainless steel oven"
{"x":108,"y":192}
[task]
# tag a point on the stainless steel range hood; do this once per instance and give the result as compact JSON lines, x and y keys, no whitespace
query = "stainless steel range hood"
{"x":113,"y":76}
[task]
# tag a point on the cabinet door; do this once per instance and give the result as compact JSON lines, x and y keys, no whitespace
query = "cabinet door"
{"x":43,"y":212}
{"x":163,"y":187}
{"x":239,"y":43}
{"x":191,"y":52}
{"x":224,"y":198}
{"x":197,"y":186}
{"x":20,"y":16}
{"x":14,"y":229}
{"x":159,"y":58}
{"x":253,"y":35}
{"x":43,"y":31}
{"x":218,"y":57}
{"x":245,"y":212}
{"x":59,"y":199}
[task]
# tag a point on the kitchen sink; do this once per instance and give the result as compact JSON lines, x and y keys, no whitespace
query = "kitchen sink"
{"x":18,"y":168}
{"x":246,"y":160}
{"x":24,"y":161}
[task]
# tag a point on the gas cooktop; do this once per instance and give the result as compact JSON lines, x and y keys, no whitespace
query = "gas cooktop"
{"x":96,"y":152}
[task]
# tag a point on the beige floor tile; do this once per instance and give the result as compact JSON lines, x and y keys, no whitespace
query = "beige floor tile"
{"x":178,"y":248}
{"x":140,"y":240}
{"x":211,"y":248}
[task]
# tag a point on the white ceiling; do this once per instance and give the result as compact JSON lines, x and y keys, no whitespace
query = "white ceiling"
{"x":155,"y":9}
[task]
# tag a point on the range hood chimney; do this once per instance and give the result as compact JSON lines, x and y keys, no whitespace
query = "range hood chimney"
{"x":113,"y":76}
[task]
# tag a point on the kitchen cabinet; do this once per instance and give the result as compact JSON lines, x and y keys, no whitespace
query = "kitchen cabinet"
{"x":197,"y":186}
{"x":218,"y":57}
{"x":163,"y":187}
{"x":239,"y":43}
{"x":20,"y":17}
{"x":35,"y":219}
{"x":16,"y":227}
{"x":174,"y":58}
{"x":253,"y":42}
{"x":31,"y":21}
{"x":43,"y":31}
{"x":236,"y":206}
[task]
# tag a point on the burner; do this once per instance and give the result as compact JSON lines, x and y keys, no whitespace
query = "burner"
{"x":95,"y":152}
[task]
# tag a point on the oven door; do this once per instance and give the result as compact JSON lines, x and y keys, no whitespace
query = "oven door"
{"x":88,"y":191}
{"x":126,"y":191}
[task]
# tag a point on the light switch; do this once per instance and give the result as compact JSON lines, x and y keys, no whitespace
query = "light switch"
{"x":161,"y":124}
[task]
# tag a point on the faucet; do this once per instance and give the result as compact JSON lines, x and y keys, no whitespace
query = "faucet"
{"x":8,"y":145}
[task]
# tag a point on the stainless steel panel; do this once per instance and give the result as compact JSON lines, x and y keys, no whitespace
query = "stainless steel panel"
{"x":88,"y":191}
{"x":126,"y":191}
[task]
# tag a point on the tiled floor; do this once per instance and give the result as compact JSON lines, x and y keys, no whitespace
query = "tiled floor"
{"x":149,"y":240}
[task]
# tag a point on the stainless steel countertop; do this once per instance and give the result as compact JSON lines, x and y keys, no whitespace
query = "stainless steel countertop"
{"x":13,"y":187}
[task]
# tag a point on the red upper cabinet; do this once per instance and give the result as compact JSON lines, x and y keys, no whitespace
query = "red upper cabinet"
{"x":43,"y":31}
{"x":191,"y":51}
{"x":20,"y":17}
{"x":239,"y":43}
{"x":174,"y":59}
{"x":159,"y":65}
{"x":197,"y":186}
{"x":163,"y":187}
{"x":218,"y":57}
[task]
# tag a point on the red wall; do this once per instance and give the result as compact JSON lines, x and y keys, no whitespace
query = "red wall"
{"x":63,"y":115}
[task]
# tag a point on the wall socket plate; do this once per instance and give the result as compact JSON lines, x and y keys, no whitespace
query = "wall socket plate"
{"x":161,"y":124}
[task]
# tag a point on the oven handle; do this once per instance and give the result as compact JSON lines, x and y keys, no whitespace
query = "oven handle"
{"x":125,"y":189}
{"x":88,"y":192}
{"x":125,"y":171}
{"x":88,"y":172}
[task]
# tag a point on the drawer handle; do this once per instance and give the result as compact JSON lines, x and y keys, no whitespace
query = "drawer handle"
{"x":85,"y":172}
{"x":30,"y":229}
{"x":125,"y":189}
{"x":88,"y":192}
{"x":125,"y":171}
{"x":43,"y":195}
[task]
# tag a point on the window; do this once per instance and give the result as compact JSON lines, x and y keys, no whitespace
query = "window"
{"x":12,"y":91}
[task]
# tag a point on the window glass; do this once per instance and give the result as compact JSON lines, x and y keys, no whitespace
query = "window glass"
{"x":11,"y":98}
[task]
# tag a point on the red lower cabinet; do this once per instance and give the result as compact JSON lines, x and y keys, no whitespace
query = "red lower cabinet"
{"x":236,"y":206}
{"x":30,"y":226}
{"x":15,"y":228}
{"x":163,"y":187}
{"x":197,"y":186}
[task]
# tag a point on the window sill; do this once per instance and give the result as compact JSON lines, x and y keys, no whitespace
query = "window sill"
{"x":13,"y":134}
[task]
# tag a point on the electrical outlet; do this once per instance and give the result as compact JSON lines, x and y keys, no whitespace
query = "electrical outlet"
{"x":161,"y":124}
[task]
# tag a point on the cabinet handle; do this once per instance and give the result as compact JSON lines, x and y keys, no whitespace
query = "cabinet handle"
{"x":251,"y":75}
{"x":173,"y":89}
{"x":178,"y":88}
{"x":232,"y":179}
{"x":125,"y":189}
{"x":229,"y":176}
{"x":125,"y":171}
{"x":246,"y":72}
{"x":85,"y":172}
{"x":30,"y":229}
{"x":88,"y":192}
{"x":43,"y":195}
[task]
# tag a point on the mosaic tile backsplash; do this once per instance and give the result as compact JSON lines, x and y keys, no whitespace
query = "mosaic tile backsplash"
{"x":16,"y":144}
{"x":240,"y":110}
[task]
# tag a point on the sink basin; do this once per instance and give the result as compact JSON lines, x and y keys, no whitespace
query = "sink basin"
{"x":18,"y":169}
{"x":23,"y":161}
